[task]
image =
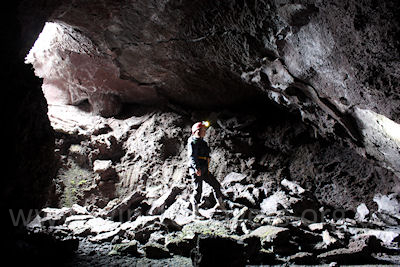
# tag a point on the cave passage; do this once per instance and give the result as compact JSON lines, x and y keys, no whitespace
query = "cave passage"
{"x":308,"y":167}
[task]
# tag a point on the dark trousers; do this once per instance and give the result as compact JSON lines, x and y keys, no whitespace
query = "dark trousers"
{"x":209,"y":179}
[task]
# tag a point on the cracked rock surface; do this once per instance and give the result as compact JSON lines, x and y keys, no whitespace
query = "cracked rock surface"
{"x":303,"y":101}
{"x":286,"y":202}
{"x":239,"y":236}
{"x":325,"y":61}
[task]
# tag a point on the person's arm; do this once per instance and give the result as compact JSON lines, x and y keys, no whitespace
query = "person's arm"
{"x":208,"y":151}
{"x":208,"y":156}
{"x":194,"y":158}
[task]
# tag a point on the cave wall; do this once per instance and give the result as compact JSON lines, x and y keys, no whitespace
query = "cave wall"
{"x":192,"y":51}
{"x":32,"y":163}
{"x":199,"y":52}
{"x":106,"y":159}
{"x":330,"y":62}
{"x":208,"y":54}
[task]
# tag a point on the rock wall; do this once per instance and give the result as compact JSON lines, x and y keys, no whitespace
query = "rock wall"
{"x":104,"y":160}
{"x":208,"y":54}
{"x":330,"y":62}
{"x":31,"y":163}
{"x":290,"y":200}
{"x":333,"y":65}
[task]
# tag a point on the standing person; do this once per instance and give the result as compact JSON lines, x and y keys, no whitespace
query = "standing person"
{"x":199,"y":159}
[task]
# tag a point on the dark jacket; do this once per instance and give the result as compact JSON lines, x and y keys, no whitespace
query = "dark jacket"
{"x":198,"y":152}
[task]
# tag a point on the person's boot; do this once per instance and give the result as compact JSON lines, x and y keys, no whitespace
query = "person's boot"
{"x":196,"y":212}
{"x":221,"y":204}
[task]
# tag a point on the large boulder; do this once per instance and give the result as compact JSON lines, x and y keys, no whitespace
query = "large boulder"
{"x":358,"y":251}
{"x":218,"y":251}
{"x":165,"y":201}
{"x":123,"y":209}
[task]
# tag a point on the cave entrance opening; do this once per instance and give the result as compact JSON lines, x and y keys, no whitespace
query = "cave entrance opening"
{"x":47,"y":62}
{"x":61,"y":57}
{"x":50,"y":57}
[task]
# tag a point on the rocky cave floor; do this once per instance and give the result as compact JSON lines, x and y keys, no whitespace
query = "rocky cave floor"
{"x":236,"y":237}
{"x":129,"y":202}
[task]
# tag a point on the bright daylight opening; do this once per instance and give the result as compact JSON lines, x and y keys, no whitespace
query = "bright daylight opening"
{"x":46,"y":62}
{"x":51,"y":57}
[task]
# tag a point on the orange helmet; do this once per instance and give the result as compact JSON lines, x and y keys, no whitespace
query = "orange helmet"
{"x":198,"y":125}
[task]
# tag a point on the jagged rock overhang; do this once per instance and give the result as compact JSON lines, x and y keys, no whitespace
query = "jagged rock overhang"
{"x":213,"y":54}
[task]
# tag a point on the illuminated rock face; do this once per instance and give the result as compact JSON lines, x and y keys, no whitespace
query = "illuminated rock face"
{"x":200,"y":54}
{"x":324,"y":60}
{"x":73,"y":70}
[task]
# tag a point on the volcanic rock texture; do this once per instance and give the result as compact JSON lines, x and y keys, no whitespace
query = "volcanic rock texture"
{"x":334,"y":63}
{"x":107,"y":158}
{"x":303,"y":92}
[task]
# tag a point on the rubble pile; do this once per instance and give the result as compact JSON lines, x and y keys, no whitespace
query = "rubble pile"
{"x":123,"y":194}
{"x":269,"y":233}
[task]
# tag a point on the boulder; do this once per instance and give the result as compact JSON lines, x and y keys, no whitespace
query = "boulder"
{"x":317,"y":227}
{"x":207,"y":227}
{"x":79,"y":228}
{"x":293,"y":188}
{"x":53,"y":216}
{"x":270,"y":235}
{"x":105,"y":169}
{"x":157,"y":237}
{"x":362,"y":212}
{"x":105,"y":237}
{"x":278,"y":221}
{"x":305,"y":239}
{"x":238,"y":216}
{"x":171,"y":225}
{"x":78,"y":218}
{"x":99,"y":225}
{"x":357,"y":252}
{"x":77,"y":224}
{"x":386,"y":236}
{"x":128,"y":248}
{"x":233,"y":178}
{"x":142,"y":228}
{"x":277,"y":201}
{"x":255,"y":254}
{"x":142,"y":222}
{"x":143,"y":235}
{"x":303,"y":258}
{"x":156,"y":251}
{"x":218,"y":251}
{"x":179,"y":212}
{"x":121,"y":210}
{"x":300,"y":205}
{"x":78,"y":210}
{"x":388,"y":208}
{"x":166,"y":200}
{"x":180,"y":243}
{"x":328,"y":242}
{"x":327,"y":238}
{"x":247,"y":195}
